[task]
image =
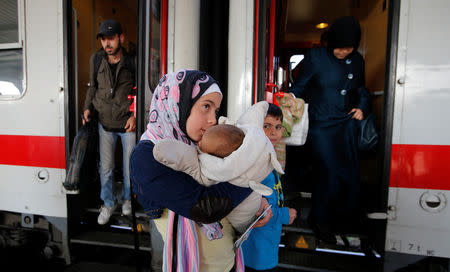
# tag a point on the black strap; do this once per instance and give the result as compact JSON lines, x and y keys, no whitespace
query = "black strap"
{"x":174,"y":243}
{"x":97,"y":61}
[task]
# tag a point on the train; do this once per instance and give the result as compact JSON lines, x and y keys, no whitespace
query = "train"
{"x":251,"y":48}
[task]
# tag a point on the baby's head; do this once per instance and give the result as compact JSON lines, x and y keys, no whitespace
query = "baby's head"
{"x":221,"y":140}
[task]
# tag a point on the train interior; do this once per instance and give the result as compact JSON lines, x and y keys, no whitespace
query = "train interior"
{"x":297,"y":28}
{"x":115,"y":241}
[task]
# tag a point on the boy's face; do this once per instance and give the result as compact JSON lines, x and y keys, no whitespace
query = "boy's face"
{"x":273,"y":129}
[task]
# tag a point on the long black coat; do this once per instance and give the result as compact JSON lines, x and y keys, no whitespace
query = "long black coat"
{"x":332,"y":87}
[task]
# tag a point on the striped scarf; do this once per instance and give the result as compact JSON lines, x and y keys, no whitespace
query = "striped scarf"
{"x":187,"y":253}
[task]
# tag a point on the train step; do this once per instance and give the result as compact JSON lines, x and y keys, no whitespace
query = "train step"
{"x":118,"y":232}
{"x":302,"y":260}
{"x":112,"y":239}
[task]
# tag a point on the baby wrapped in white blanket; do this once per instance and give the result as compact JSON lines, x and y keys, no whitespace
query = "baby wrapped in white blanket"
{"x":241,"y":155}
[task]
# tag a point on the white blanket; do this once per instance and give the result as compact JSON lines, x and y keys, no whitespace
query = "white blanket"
{"x":245,"y":167}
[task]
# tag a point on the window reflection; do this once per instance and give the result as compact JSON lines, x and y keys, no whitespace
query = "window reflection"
{"x":11,"y":53}
{"x":9,"y":23}
{"x":155,"y":44}
{"x":11,"y":72}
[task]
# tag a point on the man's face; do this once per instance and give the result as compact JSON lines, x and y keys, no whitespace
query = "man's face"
{"x":112,"y":44}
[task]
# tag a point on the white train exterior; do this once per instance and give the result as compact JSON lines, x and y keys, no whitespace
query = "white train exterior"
{"x":419,"y":188}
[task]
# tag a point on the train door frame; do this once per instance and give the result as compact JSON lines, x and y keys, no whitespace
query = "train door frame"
{"x":71,"y":109}
{"x":384,"y":150}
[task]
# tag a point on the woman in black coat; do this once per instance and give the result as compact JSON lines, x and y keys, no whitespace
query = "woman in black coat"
{"x":332,"y":79}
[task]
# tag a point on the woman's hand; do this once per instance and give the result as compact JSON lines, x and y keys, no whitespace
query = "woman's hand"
{"x":358,"y":114}
{"x":263,"y":221}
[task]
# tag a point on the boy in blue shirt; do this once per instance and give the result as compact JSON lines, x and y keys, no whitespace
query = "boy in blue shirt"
{"x":260,"y":250}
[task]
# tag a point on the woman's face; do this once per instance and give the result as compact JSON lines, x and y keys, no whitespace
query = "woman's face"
{"x":342,"y":53}
{"x":203,"y":115}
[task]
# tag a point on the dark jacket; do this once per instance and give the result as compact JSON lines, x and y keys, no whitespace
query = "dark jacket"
{"x":157,"y":186}
{"x":334,"y":86}
{"x":109,"y":95}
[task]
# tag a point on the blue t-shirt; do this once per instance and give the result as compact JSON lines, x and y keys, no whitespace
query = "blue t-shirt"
{"x":260,"y":250}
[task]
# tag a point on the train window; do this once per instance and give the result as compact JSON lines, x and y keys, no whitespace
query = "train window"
{"x":294,"y":60}
{"x":11,"y":51}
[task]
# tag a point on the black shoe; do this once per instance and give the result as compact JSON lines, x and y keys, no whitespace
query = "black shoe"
{"x":322,"y":233}
{"x":327,"y":237}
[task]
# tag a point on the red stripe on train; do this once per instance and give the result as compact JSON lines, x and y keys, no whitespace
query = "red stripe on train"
{"x":37,"y":151}
{"x":420,"y":167}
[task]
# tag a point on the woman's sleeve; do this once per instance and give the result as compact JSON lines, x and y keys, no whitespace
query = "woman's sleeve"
{"x":363,"y":93}
{"x":305,"y":74}
{"x":158,"y":186}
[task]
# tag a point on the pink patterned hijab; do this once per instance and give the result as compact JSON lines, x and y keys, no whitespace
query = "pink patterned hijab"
{"x":172,"y":101}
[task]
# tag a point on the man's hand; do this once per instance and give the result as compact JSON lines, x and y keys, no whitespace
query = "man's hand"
{"x":292,"y":215}
{"x":86,"y":115}
{"x":358,"y":114}
{"x":131,"y":124}
{"x":263,"y":221}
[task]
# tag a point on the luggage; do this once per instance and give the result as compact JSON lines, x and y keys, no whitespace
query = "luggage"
{"x":83,"y":161}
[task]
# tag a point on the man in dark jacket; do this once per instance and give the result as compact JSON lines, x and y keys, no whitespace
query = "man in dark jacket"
{"x":111,"y":81}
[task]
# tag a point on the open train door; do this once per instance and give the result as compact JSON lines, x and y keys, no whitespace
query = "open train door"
{"x":418,"y":213}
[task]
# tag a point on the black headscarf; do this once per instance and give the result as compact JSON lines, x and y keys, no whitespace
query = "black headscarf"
{"x":344,"y":32}
{"x":191,"y":77}
{"x":172,"y":102}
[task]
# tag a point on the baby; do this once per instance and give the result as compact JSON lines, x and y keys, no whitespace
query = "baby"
{"x":236,"y":152}
{"x":221,"y":140}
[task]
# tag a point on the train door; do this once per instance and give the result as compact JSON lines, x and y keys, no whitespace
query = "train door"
{"x":418,"y":221}
{"x":288,"y":30}
{"x":165,"y":37}
{"x":122,"y":233}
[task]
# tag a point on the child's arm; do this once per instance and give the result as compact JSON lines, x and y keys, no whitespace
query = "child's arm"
{"x":180,"y":157}
{"x":280,"y":215}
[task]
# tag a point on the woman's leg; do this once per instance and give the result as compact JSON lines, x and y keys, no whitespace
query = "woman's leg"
{"x":349,"y":206}
{"x":157,"y":243}
{"x":326,"y":189}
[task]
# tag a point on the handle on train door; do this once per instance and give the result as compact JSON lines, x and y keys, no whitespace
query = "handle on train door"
{"x":269,"y":92}
{"x":132,"y":97}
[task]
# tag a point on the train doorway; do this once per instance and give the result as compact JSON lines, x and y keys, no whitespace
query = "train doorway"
{"x":119,"y":235}
{"x":288,"y":30}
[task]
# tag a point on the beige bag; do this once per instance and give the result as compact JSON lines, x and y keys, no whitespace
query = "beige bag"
{"x":299,"y":130}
